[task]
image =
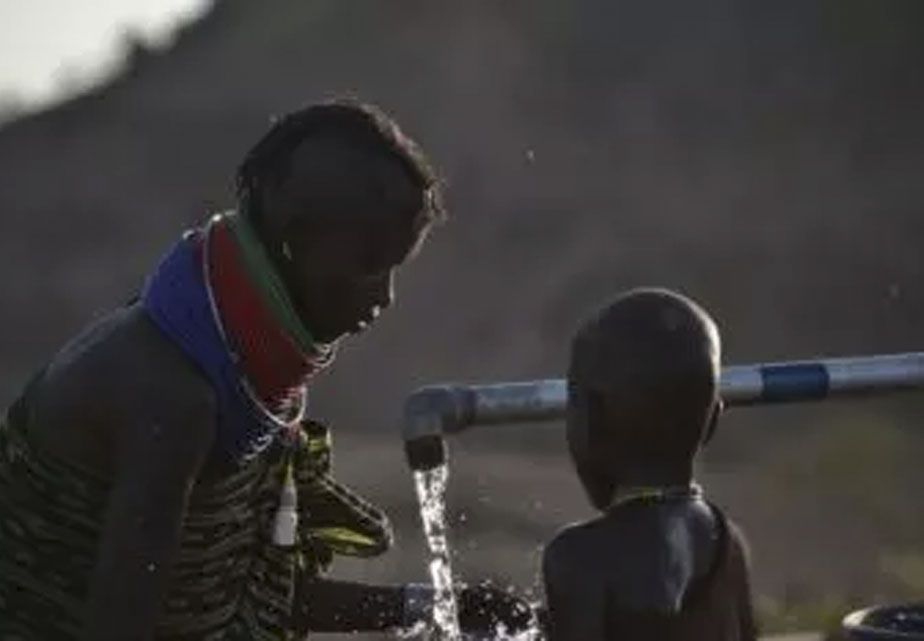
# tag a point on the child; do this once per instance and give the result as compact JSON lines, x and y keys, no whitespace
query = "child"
{"x":661,"y":563}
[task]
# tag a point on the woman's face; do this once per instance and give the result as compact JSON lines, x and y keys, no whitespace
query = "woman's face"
{"x":340,"y":224}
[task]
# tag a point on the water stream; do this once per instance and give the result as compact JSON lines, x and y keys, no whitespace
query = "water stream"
{"x":431,"y":487}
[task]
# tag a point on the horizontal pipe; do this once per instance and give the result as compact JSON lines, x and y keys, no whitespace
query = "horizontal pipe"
{"x":445,"y":409}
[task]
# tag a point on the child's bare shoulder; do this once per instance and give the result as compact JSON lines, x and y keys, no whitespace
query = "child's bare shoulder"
{"x":567,"y":553}
{"x":575,"y":594}
{"x":572,"y":537}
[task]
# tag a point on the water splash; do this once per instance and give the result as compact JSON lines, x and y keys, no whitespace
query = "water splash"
{"x":502,"y":634}
{"x":431,"y":488}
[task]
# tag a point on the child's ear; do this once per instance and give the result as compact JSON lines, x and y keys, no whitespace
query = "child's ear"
{"x":717,"y":408}
{"x":584,"y":424}
{"x":596,"y":416}
{"x":588,"y":419}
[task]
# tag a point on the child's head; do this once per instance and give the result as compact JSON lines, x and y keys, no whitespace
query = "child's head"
{"x":642,"y":391}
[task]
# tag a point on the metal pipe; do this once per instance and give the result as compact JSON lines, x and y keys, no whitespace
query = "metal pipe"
{"x":433,"y":411}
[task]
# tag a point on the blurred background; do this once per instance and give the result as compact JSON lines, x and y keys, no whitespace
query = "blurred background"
{"x":764,"y":158}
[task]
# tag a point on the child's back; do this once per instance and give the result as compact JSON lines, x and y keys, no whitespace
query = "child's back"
{"x":673,"y":570}
{"x":661,"y":563}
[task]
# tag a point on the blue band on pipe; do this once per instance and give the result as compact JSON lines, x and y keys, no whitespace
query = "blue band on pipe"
{"x":800,"y":382}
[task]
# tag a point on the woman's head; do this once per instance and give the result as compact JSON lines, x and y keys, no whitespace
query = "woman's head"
{"x":341,"y":198}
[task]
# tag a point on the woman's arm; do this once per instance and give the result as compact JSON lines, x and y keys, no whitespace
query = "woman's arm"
{"x":324,"y":605}
{"x":157,"y":460}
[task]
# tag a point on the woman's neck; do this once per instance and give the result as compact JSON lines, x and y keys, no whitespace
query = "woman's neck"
{"x":271,"y":360}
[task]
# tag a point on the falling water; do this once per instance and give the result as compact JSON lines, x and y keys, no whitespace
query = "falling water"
{"x":431,"y":487}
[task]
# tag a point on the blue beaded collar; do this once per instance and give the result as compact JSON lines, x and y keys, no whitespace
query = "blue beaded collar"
{"x":176,"y":296}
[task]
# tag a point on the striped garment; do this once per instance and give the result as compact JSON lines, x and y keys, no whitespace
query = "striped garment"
{"x":228,"y":582}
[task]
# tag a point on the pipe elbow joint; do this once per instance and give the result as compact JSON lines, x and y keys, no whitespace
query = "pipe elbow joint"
{"x":429,"y":413}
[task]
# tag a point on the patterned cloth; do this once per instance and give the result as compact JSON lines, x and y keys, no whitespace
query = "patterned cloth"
{"x":228,"y":582}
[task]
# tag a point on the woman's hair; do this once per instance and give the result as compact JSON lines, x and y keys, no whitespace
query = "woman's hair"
{"x":358,"y":124}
